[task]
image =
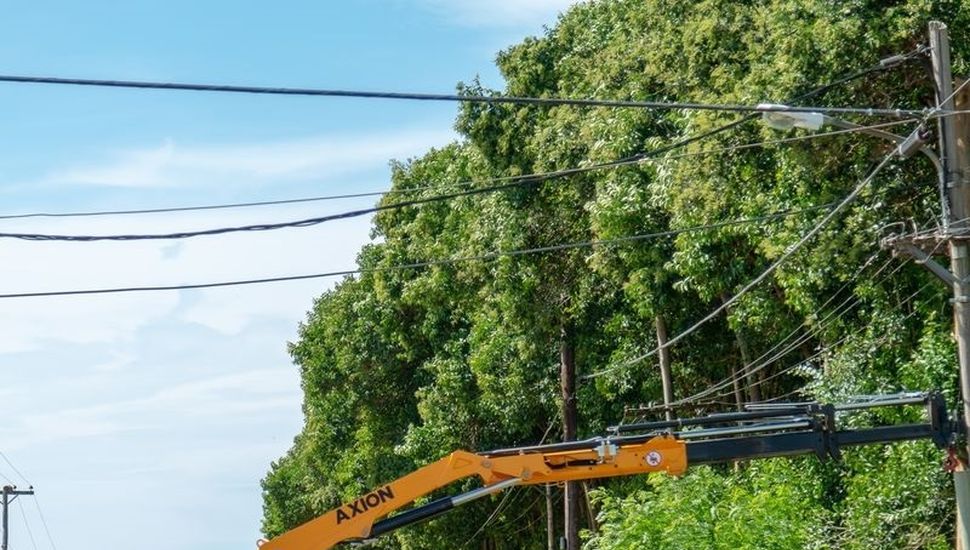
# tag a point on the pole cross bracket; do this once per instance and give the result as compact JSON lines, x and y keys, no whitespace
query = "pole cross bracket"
{"x":922,"y":257}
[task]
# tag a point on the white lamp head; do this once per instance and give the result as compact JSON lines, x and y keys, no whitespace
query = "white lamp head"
{"x":776,"y":117}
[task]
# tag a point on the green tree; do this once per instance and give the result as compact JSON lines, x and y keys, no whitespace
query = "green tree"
{"x":402,"y":366}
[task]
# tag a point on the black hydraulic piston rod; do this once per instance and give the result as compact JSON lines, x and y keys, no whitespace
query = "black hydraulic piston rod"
{"x":710,"y":420}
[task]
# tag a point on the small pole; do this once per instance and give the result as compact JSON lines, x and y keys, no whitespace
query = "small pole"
{"x":9,"y":494}
{"x":7,"y":489}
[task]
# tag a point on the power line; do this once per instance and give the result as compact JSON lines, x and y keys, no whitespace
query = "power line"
{"x":270,"y":226}
{"x":782,"y":396}
{"x":839,"y":342}
{"x":518,"y":180}
{"x":764,"y":360}
{"x":30,"y":532}
{"x":40,"y":512}
{"x":883,"y":65}
{"x":7,"y":460}
{"x":505,"y":499}
{"x":522,"y":180}
{"x":43,"y":522}
{"x":221,"y":206}
{"x":429,"y":263}
{"x":845,"y":307}
{"x":814,"y":315}
{"x":951,"y":96}
{"x":454,"y":98}
{"x":511,"y":182}
{"x":757,"y":280}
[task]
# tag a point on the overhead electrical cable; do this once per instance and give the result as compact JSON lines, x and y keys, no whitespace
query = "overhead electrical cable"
{"x":510,"y":183}
{"x":815,"y":314}
{"x":23,"y":513}
{"x":521,"y":179}
{"x":431,"y":263}
{"x":14,"y":468}
{"x":789,"y":252}
{"x":633,"y":160}
{"x":831,"y":347}
{"x":30,"y":532}
{"x":949,"y":97}
{"x":43,"y":522}
{"x":836,"y":314}
{"x":282,"y":225}
{"x":453,"y":98}
{"x":309,"y":222}
{"x":781,"y":141}
{"x":505,"y":499}
{"x":783,"y":347}
{"x":221,"y":206}
{"x":883,"y":65}
{"x":771,"y":356}
{"x":783,"y":396}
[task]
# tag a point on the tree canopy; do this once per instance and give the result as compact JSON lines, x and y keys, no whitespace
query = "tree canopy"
{"x":402,"y":366}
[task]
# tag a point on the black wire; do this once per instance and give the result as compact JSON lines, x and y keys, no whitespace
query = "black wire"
{"x":219,"y":206}
{"x":524,"y":179}
{"x":878,"y":67}
{"x":319,"y":220}
{"x":310,"y":221}
{"x":629,"y":160}
{"x":548,"y":101}
{"x":513,"y":182}
{"x":355,"y":213}
{"x":9,"y":463}
{"x":429,"y":263}
{"x":884,"y":65}
{"x":30,"y":532}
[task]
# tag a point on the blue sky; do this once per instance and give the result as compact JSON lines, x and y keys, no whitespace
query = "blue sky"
{"x":146,"y":420}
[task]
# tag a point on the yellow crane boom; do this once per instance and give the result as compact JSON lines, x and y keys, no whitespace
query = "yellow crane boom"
{"x":354,"y":520}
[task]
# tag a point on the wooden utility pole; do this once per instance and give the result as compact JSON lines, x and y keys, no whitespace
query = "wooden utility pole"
{"x":953,"y":165}
{"x":10,"y":493}
{"x":953,"y":134}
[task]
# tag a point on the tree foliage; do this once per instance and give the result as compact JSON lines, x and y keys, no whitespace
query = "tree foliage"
{"x":402,"y":366}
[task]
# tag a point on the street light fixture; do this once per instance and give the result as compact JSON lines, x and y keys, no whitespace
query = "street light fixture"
{"x":774,"y":116}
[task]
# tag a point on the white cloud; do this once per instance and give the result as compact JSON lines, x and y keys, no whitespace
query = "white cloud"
{"x":119,"y":360}
{"x":498,"y":12}
{"x":289,"y":252}
{"x":27,"y":324}
{"x":51,"y":266}
{"x":217,"y":398}
{"x":173,"y":165}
